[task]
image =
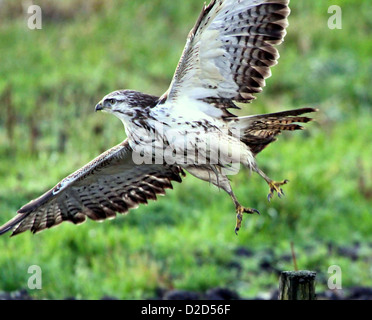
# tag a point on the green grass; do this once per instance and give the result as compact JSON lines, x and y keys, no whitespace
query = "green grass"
{"x":185,"y":240}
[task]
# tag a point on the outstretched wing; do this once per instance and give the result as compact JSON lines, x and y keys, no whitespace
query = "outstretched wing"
{"x":229,"y":52}
{"x":108,"y":184}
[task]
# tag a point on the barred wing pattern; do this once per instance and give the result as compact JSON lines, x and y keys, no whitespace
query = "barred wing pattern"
{"x":229,"y":52}
{"x":260,"y":130}
{"x":108,"y":184}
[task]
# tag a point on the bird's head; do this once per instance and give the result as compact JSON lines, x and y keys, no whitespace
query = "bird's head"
{"x":125,"y":104}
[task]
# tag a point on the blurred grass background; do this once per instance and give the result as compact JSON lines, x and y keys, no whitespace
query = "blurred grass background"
{"x":50,"y":80}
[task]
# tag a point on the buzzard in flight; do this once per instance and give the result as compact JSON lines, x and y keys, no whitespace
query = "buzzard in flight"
{"x":191,"y":127}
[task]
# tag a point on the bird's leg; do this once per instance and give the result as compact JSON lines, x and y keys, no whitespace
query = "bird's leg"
{"x":221,"y":181}
{"x":239,"y":212}
{"x":273,"y":185}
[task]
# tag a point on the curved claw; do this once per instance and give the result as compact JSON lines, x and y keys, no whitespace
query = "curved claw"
{"x":236,"y":230}
{"x":270,"y":196}
{"x":251,"y":211}
{"x":239,"y":217}
{"x":281,"y":193}
{"x":275,"y":186}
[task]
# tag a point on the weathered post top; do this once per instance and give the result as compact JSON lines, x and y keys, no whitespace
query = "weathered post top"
{"x":297,"y":285}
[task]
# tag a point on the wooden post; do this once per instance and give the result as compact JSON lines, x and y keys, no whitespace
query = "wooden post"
{"x":297,"y":285}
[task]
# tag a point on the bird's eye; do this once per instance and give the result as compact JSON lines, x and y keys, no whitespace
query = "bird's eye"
{"x":111,"y":101}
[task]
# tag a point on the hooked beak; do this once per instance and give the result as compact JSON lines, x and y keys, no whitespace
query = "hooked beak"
{"x":99,"y":107}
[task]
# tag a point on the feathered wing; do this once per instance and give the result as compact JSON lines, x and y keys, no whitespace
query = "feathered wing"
{"x":108,"y":184}
{"x":229,"y":52}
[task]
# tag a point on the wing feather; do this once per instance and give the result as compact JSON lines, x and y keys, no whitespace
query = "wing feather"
{"x":229,"y":52}
{"x":110,"y":183}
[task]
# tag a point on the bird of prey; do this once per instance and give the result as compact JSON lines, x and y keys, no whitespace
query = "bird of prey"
{"x":191,"y":127}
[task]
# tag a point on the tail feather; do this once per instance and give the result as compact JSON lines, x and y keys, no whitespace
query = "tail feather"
{"x":288,"y":120}
{"x":258,"y":131}
{"x":287,"y":113}
{"x":280,"y":127}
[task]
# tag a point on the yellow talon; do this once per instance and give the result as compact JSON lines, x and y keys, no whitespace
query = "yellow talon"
{"x":275,"y":186}
{"x":239,"y":216}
